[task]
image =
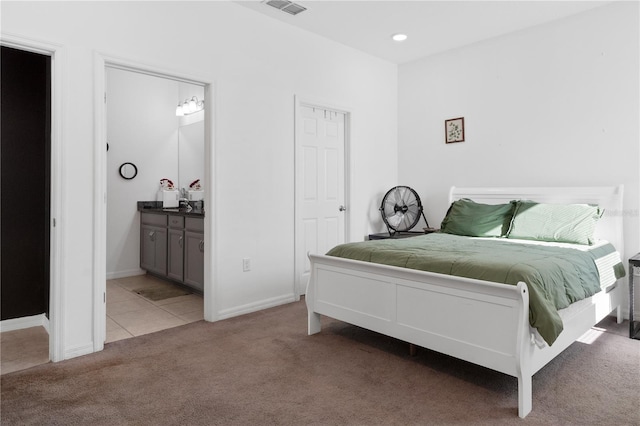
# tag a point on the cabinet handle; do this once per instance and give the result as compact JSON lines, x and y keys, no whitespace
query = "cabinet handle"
{"x":152,"y":235}
{"x":180,"y":242}
{"x":201,"y":246}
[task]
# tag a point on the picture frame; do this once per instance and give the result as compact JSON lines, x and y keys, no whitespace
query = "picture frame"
{"x":454,"y":130}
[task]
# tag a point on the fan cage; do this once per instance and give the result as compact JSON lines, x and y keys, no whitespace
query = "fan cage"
{"x":401,"y":209}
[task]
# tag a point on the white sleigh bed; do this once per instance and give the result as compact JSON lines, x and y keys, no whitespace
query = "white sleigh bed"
{"x":410,"y":304}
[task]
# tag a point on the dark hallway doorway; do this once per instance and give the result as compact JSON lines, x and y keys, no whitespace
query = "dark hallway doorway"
{"x":25,"y":183}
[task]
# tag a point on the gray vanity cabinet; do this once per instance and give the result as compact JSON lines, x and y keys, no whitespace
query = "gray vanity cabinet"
{"x":175,"y":247}
{"x":172,"y":246}
{"x":153,"y":243}
{"x":194,"y":253}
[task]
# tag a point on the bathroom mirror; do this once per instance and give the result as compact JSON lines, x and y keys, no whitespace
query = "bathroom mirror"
{"x":128,"y":171}
{"x":191,"y":154}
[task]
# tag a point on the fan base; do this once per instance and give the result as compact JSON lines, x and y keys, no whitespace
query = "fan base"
{"x":394,"y":235}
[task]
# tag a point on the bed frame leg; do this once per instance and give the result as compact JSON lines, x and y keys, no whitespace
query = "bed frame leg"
{"x":525,"y":396}
{"x":413,"y":349}
{"x":313,"y":324}
{"x":619,"y":317}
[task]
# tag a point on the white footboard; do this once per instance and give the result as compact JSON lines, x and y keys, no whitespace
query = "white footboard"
{"x":477,"y":321}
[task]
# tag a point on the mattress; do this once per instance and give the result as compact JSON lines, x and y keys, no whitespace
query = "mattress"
{"x":557,"y":274}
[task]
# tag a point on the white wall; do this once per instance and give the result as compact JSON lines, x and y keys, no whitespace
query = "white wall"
{"x":258,"y":65}
{"x":554,"y":105}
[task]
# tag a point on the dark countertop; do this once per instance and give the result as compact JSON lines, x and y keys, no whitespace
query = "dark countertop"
{"x":156,"y":207}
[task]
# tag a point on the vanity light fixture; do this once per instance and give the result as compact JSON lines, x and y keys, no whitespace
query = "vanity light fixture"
{"x":399,"y":37}
{"x":189,"y":106}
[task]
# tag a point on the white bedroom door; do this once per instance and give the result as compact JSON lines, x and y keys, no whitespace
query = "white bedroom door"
{"x":320,"y":185}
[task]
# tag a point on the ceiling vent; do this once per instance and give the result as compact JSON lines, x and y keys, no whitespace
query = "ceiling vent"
{"x":286,"y":6}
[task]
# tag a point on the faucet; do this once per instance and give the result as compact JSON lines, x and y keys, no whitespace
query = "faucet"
{"x":183,"y":201}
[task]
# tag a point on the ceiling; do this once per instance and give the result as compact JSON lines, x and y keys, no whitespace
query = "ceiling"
{"x":432,"y":26}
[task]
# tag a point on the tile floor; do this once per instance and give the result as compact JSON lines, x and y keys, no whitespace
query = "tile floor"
{"x":128,"y":314}
{"x":21,"y":349}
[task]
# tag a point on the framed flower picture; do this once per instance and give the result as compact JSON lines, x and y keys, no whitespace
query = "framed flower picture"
{"x":454,"y":130}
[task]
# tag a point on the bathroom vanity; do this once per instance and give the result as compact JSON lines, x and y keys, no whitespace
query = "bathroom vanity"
{"x":172,"y":244}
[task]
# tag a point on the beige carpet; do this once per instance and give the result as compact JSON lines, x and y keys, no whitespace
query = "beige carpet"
{"x":262,"y":369}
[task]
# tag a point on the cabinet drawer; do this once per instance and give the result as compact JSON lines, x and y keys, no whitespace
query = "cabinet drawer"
{"x":176,"y":221}
{"x":154,"y":219}
{"x":194,"y":224}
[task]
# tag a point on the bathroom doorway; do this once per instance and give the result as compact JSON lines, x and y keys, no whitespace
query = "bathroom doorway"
{"x":146,"y":111}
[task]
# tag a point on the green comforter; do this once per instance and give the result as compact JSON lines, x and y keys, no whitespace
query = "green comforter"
{"x":555,"y":276}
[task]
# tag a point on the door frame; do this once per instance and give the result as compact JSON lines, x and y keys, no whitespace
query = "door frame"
{"x":56,"y":245}
{"x":299,"y":255}
{"x":101,"y":62}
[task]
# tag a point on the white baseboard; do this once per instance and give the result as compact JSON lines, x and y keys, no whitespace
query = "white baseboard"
{"x":25,"y":322}
{"x":256,"y":306}
{"x":124,"y":274}
{"x":79,"y":351}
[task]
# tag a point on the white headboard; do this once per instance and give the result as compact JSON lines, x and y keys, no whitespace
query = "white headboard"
{"x":609,"y":198}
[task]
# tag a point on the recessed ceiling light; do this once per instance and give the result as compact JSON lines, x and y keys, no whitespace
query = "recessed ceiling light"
{"x":399,"y":37}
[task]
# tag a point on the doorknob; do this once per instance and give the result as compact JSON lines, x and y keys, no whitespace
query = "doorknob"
{"x":342,"y":208}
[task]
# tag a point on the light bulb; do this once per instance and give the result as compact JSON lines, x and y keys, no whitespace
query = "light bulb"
{"x":193,"y":106}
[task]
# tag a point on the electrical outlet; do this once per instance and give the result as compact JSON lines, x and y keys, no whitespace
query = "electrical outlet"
{"x":246,"y":264}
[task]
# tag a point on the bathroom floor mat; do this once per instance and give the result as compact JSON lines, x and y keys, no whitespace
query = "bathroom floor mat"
{"x":161,"y":293}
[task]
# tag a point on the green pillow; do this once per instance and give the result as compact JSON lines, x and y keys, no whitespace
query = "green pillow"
{"x":567,"y":223}
{"x":466,"y":217}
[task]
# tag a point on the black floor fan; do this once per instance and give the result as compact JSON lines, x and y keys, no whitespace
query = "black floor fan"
{"x":401,"y":209}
